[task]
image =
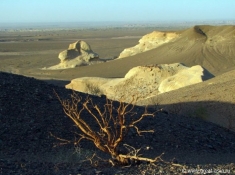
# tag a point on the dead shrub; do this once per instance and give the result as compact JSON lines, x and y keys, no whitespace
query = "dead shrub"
{"x":113,"y":121}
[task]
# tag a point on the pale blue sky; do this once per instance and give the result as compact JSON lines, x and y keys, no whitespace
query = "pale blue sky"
{"x":115,"y":10}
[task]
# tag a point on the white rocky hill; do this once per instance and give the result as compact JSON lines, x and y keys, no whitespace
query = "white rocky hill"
{"x":142,"y":81}
{"x":148,"y":42}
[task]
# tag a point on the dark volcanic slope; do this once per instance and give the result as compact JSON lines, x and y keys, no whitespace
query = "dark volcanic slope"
{"x":209,"y":46}
{"x":29,"y":111}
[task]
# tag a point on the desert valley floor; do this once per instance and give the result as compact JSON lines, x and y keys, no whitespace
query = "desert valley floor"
{"x":195,"y":128}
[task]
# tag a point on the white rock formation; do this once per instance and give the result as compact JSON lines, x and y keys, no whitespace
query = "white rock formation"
{"x":148,"y":42}
{"x":142,"y":81}
{"x":182,"y":78}
{"x":78,"y":54}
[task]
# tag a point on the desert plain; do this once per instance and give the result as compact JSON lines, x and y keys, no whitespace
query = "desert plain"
{"x":38,"y":49}
{"x":212,"y":47}
{"x":29,"y":52}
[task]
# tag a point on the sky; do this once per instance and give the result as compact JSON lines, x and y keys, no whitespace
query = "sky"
{"x":35,"y":11}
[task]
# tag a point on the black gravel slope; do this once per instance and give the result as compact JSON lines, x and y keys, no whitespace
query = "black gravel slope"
{"x":29,"y":112}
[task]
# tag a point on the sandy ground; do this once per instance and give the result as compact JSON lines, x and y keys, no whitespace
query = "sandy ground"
{"x":27,"y":52}
{"x":212,"y":49}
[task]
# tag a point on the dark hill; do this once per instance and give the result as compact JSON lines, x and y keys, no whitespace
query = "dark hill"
{"x":29,"y":111}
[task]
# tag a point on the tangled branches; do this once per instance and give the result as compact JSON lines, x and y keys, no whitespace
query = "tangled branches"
{"x":113,"y":121}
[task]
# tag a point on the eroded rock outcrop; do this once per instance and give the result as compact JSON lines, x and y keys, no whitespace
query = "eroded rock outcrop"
{"x":148,"y":42}
{"x":142,"y":81}
{"x":77,"y":54}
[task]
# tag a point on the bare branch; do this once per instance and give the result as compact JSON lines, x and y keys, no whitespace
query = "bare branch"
{"x":113,"y":125}
{"x":156,"y":159}
{"x":64,"y":141}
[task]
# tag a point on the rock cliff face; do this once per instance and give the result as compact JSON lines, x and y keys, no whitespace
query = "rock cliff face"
{"x":77,"y":54}
{"x":142,"y":81}
{"x":148,"y":42}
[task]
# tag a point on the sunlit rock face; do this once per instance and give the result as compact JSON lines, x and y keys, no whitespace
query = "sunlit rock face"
{"x":77,"y":54}
{"x":142,"y":81}
{"x":148,"y":42}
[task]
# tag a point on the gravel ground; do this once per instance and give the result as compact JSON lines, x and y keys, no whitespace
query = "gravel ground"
{"x":29,"y":112}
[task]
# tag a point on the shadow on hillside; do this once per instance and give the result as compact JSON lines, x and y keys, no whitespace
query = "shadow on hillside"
{"x":60,"y":83}
{"x":179,"y":130}
{"x":220,"y":113}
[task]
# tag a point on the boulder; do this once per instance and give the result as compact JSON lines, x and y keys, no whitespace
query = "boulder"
{"x":143,"y":81}
{"x":148,"y":42}
{"x":77,"y":54}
